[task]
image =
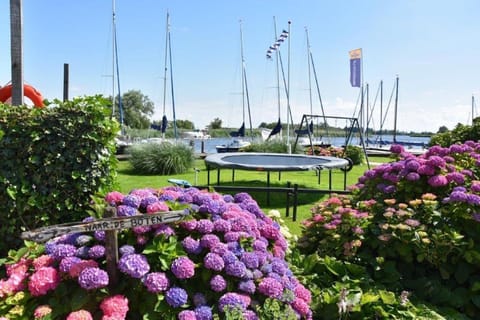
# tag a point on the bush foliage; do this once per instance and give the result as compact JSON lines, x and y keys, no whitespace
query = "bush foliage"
{"x":412,"y":226}
{"x":161,"y":158}
{"x":53,"y":160}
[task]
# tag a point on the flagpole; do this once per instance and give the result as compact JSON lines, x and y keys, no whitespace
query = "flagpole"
{"x":289,"y":147}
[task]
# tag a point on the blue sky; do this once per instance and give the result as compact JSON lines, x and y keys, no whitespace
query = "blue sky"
{"x":431,"y":45}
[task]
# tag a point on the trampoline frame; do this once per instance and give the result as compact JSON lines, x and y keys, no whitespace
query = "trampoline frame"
{"x":216,"y":161}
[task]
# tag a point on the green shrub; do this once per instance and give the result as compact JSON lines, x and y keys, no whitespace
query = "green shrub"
{"x":161,"y":158}
{"x":53,"y":160}
{"x":354,"y":153}
{"x":414,"y":226}
{"x":271,"y":146}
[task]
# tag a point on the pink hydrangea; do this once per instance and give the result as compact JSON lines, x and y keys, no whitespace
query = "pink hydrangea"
{"x":80,"y":315}
{"x":77,"y":268}
{"x":116,"y":306}
{"x":114,"y":197}
{"x":42,"y":311}
{"x":183,"y":268}
{"x":43,"y":280}
{"x":42,"y":261}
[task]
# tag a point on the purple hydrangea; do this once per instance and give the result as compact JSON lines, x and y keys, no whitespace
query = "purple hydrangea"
{"x":135,"y":265}
{"x":247,"y":286}
{"x":438,"y":181}
{"x":250,"y":259}
{"x":156,"y":282}
{"x":62,"y":250}
{"x":191,"y":245}
{"x":271,"y":287}
{"x":183,"y":268}
{"x":93,"y":278}
{"x":222,"y":225}
{"x":204,"y":226}
{"x":132,"y":200}
{"x":203,"y":313}
{"x":126,"y":211}
{"x":209,"y":241}
{"x":236,"y":269}
{"x":213,"y":262}
{"x":218,"y":283}
{"x":67,"y":263}
{"x":99,"y":235}
{"x":96,"y":252}
{"x":126,"y":249}
{"x":231,"y":301}
{"x":176,"y":297}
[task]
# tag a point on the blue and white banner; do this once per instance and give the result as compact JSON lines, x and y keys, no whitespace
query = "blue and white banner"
{"x":355,"y":67}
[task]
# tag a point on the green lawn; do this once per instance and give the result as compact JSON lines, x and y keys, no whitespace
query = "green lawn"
{"x":128,"y":180}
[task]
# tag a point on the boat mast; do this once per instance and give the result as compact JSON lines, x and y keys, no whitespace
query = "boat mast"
{"x":113,"y":58}
{"x":395,"y":112}
{"x":167,"y":27}
{"x":245,"y":96}
{"x":311,"y":64}
{"x":117,"y":71}
{"x":171,"y":83}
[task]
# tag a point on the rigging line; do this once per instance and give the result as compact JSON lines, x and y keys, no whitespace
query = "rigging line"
{"x":165,"y":63}
{"x":319,"y":95}
{"x":171,"y":85}
{"x":370,"y":118}
{"x":120,"y":106}
{"x":388,"y":106}
{"x":245,"y":84}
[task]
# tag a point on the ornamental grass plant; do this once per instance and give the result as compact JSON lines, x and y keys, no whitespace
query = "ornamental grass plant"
{"x":405,"y":245}
{"x":224,"y":260}
{"x":161,"y":158}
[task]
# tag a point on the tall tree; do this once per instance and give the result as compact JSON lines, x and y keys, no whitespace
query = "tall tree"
{"x":216,"y":124}
{"x":137,"y":109}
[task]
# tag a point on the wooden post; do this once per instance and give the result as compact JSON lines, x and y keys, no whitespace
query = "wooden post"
{"x":16,"y":24}
{"x":65,"y":82}
{"x":111,"y":250}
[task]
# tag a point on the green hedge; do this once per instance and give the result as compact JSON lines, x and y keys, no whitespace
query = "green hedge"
{"x":53,"y":161}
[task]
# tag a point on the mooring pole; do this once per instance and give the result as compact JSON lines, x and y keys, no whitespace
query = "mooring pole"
{"x":16,"y":34}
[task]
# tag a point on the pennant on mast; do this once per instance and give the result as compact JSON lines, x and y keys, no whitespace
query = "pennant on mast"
{"x":274,"y":47}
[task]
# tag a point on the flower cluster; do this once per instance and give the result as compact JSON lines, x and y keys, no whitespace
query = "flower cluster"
{"x":225,"y":257}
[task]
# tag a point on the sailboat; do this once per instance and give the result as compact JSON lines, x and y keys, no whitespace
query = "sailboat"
{"x":306,"y":137}
{"x":238,"y":137}
{"x":380,"y":146}
{"x":162,"y":127}
{"x":121,"y":141}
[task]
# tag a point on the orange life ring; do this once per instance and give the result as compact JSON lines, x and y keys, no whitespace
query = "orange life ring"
{"x":29,"y":91}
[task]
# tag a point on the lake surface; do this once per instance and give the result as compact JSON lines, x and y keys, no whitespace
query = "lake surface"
{"x":208,"y":145}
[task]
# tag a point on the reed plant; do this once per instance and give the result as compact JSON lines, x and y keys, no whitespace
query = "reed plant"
{"x":161,"y":158}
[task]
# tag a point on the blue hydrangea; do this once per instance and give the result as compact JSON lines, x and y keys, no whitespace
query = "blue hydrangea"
{"x":93,"y":278}
{"x":176,"y":297}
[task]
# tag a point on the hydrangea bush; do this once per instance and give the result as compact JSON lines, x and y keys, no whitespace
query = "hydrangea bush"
{"x":412,"y":225}
{"x":225,"y":260}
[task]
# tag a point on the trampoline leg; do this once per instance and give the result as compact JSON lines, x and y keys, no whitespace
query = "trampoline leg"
{"x":218,"y":177}
{"x":319,"y":175}
{"x":279,"y":175}
{"x":345,"y":180}
{"x":287,"y":205}
{"x":268,"y":188}
{"x":295,"y":202}
{"x":208,"y":176}
{"x":330,"y":180}
{"x":233,"y":175}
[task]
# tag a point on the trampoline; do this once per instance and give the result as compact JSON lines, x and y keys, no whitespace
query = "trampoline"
{"x":276,"y":162}
{"x":273,"y":161}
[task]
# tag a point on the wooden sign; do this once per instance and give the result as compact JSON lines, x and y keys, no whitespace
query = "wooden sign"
{"x":106,"y":224}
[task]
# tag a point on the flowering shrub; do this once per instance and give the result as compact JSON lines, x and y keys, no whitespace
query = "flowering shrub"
{"x":226,"y":260}
{"x":354,"y":153}
{"x":413,"y":224}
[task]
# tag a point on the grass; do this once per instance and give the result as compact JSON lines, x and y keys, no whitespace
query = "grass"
{"x":128,"y":180}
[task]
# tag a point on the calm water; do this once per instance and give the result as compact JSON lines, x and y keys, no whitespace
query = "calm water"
{"x":210,"y":144}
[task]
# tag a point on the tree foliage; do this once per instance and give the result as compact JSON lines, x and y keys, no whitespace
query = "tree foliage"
{"x":459,"y":134}
{"x":185,"y":124}
{"x":216,"y":124}
{"x":137,"y":109}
